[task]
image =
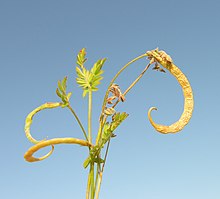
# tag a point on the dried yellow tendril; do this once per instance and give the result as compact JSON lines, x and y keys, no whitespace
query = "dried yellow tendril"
{"x":165,"y":60}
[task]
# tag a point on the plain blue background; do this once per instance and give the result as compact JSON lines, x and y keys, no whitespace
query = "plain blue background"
{"x":39,"y":41}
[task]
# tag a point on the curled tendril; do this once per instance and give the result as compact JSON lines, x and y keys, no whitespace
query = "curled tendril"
{"x":165,"y":60}
{"x":44,"y":143}
{"x":29,"y":154}
{"x":29,"y":119}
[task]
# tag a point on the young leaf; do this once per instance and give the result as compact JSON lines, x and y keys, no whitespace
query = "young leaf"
{"x":106,"y":135}
{"x":61,"y":87}
{"x":81,"y":58}
{"x":58,"y":93}
{"x":117,"y":119}
{"x":96,"y":73}
{"x":61,"y":92}
{"x":86,"y":162}
{"x":64,"y":84}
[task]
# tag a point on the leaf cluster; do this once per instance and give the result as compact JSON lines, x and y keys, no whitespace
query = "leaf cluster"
{"x":61,"y":92}
{"x":109,"y":128}
{"x":88,"y":79}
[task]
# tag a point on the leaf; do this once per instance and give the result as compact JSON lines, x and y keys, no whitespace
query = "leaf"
{"x":64,"y":83}
{"x":109,"y":111}
{"x":96,"y":72}
{"x":61,"y":87}
{"x":106,"y":135}
{"x":86,"y":162}
{"x":88,"y":80}
{"x":98,"y":160}
{"x":68,"y":96}
{"x":81,"y":58}
{"x":61,"y":92}
{"x":108,"y":128}
{"x":85,"y":92}
{"x":58,"y":93}
{"x":117,"y":119}
{"x":98,"y":66}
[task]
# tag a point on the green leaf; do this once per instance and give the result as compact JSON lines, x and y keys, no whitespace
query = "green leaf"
{"x":96,"y":73}
{"x":61,"y":87}
{"x":109,"y":111}
{"x":68,"y":96}
{"x":85,"y":92}
{"x":86,"y":162}
{"x":98,"y":160}
{"x":88,"y":80}
{"x":81,"y":58}
{"x":58,"y":93}
{"x":61,"y":92}
{"x":117,"y":119}
{"x":106,"y":135}
{"x":64,"y":84}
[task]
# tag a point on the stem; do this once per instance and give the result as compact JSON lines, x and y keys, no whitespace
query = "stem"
{"x":106,"y":154}
{"x":98,"y":169}
{"x":90,"y":117}
{"x":99,"y":186}
{"x":104,"y":119}
{"x":135,"y":81}
{"x":92,"y":191}
{"x":115,"y":77}
{"x":88,"y":186}
{"x":107,"y":92}
{"x":101,"y":172}
{"x":100,"y":129}
{"x":80,"y":124}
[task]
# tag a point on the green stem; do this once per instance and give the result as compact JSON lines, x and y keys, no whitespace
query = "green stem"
{"x":116,"y":76}
{"x":107,"y":92}
{"x":92,"y":191}
{"x":99,"y":185}
{"x":135,"y":82}
{"x":80,"y":124}
{"x":90,"y":117}
{"x":98,"y":169}
{"x":104,"y":118}
{"x":88,"y":186}
{"x":99,"y":181}
{"x":106,"y":154}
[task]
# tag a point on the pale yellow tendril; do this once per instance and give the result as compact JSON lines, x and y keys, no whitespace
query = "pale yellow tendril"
{"x":29,"y":119}
{"x":165,"y":60}
{"x":28,"y":155}
{"x":44,"y":143}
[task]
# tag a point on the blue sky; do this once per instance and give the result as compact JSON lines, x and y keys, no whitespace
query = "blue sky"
{"x":39,"y":41}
